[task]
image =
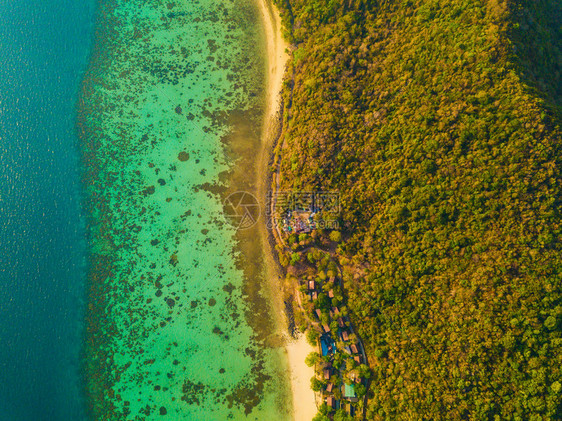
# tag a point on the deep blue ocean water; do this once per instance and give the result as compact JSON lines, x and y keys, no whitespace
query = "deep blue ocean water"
{"x":44,"y":49}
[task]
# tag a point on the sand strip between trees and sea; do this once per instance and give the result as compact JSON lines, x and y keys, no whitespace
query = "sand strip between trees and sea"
{"x":304,"y":406}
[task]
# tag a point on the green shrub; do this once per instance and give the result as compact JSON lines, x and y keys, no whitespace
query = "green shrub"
{"x":335,"y":236}
{"x":295,"y":258}
{"x":312,"y":337}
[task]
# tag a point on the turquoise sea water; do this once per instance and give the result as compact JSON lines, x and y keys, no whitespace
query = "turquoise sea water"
{"x":177,"y":325}
{"x":44,"y":49}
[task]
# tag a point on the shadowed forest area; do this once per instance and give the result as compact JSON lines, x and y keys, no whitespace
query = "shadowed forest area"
{"x":439,"y":124}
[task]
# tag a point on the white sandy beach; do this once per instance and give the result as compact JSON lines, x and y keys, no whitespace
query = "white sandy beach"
{"x":304,"y":406}
{"x":276,"y":56}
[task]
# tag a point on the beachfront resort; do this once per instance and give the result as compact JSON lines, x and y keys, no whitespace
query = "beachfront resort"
{"x":307,"y":251}
{"x":341,"y":372}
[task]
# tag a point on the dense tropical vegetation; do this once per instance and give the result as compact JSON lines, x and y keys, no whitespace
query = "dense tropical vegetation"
{"x":439,"y":124}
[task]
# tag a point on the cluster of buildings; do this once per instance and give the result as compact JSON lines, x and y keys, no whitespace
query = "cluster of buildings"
{"x":298,"y":222}
{"x":339,"y":392}
{"x":304,"y":211}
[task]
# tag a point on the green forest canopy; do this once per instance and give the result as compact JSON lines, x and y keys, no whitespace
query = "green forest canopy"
{"x":439,"y":124}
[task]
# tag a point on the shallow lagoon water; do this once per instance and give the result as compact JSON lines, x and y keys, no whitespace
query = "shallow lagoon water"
{"x":177,"y":324}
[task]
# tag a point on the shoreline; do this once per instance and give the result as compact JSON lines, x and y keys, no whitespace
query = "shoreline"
{"x":296,"y":350}
{"x":205,"y":274}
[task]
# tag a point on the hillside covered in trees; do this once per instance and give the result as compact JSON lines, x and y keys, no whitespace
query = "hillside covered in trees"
{"x":439,"y":124}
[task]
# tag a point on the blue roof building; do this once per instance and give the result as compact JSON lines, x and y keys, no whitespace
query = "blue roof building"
{"x":327,"y":345}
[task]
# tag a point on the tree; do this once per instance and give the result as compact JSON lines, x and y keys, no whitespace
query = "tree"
{"x":335,"y":236}
{"x":323,"y":411}
{"x":341,"y":415}
{"x":323,"y":302}
{"x":312,"y":359}
{"x":295,"y":258}
{"x":364,"y":371}
{"x":316,"y":384}
{"x":360,"y":390}
{"x":312,"y":336}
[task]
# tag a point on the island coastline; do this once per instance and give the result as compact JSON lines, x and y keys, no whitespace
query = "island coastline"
{"x":296,"y":348}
